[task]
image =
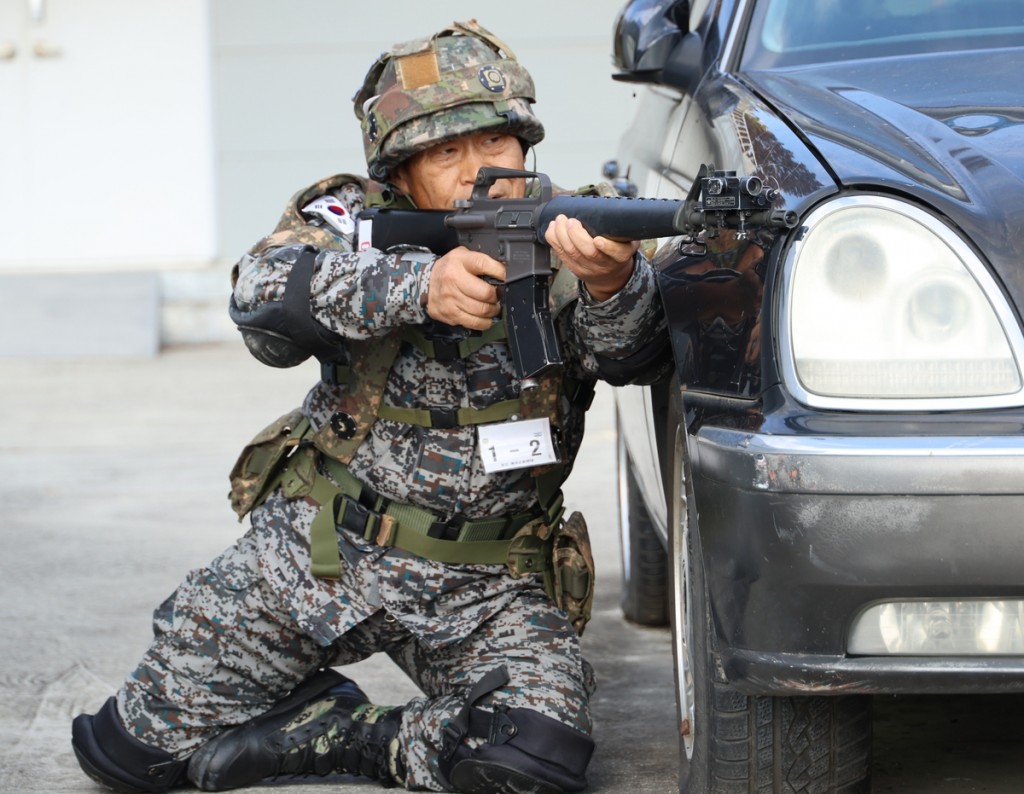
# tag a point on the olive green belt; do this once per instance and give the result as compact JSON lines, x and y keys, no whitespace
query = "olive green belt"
{"x":347,"y":504}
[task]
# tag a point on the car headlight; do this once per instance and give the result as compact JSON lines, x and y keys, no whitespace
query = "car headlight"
{"x":886,"y":307}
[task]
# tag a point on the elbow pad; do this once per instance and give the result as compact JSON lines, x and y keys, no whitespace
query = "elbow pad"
{"x":284,"y":333}
{"x":264,"y":333}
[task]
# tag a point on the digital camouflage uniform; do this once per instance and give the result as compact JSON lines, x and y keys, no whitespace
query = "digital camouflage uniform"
{"x":444,"y":625}
{"x":238,"y":636}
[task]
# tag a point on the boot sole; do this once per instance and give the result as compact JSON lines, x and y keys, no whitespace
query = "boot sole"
{"x":106,"y":781}
{"x":482,"y":777}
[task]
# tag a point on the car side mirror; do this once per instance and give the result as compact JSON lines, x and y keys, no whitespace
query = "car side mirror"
{"x":684,"y":67}
{"x":653,"y":44}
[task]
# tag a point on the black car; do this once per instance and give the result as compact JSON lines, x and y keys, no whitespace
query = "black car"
{"x":826,"y":501}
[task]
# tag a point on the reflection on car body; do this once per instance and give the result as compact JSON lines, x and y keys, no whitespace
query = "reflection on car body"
{"x":825,"y":500}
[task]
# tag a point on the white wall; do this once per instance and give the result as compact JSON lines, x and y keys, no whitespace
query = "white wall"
{"x":106,"y":143}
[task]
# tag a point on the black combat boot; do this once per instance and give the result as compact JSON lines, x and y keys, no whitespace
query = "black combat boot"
{"x":326,"y":725}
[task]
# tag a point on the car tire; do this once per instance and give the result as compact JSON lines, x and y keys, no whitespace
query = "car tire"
{"x":733,"y":742}
{"x":645,"y":579}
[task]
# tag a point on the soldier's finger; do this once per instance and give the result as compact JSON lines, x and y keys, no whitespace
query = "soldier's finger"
{"x":616,"y":250}
{"x":553,"y":234}
{"x":478,"y":291}
{"x":485,"y":307}
{"x":481,"y":265}
{"x":470,"y":318}
{"x":580,"y":240}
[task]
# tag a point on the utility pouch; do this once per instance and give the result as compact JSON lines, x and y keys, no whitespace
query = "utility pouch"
{"x":530,"y":552}
{"x":573,"y":570}
{"x":262,"y":459}
{"x":565,"y":559}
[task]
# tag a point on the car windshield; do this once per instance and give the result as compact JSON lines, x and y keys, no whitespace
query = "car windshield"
{"x":795,"y":32}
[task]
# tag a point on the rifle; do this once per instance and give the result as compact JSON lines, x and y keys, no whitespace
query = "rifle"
{"x":512,"y":231}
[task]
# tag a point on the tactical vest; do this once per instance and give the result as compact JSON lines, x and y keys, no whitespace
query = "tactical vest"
{"x":544,"y":543}
{"x":368,"y":361}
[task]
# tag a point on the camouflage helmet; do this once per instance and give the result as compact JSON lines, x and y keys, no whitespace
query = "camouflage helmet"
{"x":427,"y":91}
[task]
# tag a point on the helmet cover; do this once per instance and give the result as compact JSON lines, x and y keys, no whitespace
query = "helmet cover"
{"x":427,"y":91}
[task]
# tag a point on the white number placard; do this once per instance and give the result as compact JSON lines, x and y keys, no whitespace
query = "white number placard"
{"x":516,"y":445}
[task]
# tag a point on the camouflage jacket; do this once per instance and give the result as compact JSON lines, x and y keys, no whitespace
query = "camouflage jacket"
{"x":365,"y":295}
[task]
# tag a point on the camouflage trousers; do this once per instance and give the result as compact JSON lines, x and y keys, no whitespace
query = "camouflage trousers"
{"x":231,"y":641}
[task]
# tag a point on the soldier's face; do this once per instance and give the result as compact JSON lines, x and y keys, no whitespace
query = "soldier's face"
{"x":438,"y":176}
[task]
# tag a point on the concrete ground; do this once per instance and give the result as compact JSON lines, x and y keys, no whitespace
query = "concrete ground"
{"x":113,"y":482}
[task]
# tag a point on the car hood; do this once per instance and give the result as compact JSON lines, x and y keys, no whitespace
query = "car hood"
{"x":947,"y":128}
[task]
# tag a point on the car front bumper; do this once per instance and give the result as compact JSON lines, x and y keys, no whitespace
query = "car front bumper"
{"x":800,"y":533}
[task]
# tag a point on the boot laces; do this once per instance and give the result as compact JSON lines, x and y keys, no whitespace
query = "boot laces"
{"x":336,"y":742}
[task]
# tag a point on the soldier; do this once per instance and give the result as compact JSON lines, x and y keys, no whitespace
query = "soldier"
{"x":376,"y":525}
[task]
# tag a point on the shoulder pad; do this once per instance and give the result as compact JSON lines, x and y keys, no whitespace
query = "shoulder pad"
{"x":292,"y":228}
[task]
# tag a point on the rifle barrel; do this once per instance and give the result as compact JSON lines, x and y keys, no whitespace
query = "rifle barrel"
{"x":612,"y":216}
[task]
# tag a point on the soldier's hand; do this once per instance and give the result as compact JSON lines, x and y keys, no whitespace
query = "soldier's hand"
{"x":602,"y":264}
{"x":458,"y":293}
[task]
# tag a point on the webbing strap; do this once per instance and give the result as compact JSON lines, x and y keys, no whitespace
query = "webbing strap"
{"x":459,"y":726}
{"x":298,"y":311}
{"x":325,"y":559}
{"x":454,"y":552}
{"x":335,"y":374}
{"x":296,"y":299}
{"x":350,"y":486}
{"x":448,"y":349}
{"x":410,"y":516}
{"x":441,"y":349}
{"x":405,"y":527}
{"x":426,"y":417}
{"x":549,"y":493}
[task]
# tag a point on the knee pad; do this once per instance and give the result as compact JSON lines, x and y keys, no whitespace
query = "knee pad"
{"x":114,"y":758}
{"x":525,"y":751}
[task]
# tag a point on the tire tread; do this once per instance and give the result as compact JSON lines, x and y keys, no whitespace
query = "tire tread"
{"x":789,"y":745}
